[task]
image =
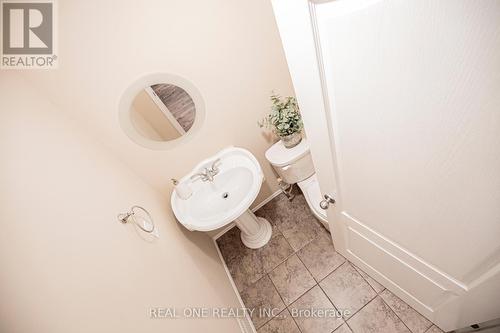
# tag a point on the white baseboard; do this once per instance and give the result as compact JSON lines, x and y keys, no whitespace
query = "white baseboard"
{"x":245,"y":323}
{"x":223,"y":231}
{"x":266,"y":200}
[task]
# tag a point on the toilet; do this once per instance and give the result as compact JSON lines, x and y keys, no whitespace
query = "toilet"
{"x":295,"y":166}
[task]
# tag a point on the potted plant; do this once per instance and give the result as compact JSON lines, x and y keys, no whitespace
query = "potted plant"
{"x":284,"y":120}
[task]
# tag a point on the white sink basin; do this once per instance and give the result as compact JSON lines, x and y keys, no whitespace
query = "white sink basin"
{"x":208,"y":203}
{"x":226,"y":198}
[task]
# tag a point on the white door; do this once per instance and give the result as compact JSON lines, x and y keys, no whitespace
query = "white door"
{"x":401,"y":105}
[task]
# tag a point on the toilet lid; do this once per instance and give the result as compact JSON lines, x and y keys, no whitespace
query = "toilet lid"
{"x":280,"y":156}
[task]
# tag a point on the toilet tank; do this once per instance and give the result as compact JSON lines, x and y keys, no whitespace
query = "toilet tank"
{"x":292,"y":164}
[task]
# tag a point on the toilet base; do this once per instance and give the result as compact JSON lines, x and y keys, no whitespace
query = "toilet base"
{"x":312,"y":194}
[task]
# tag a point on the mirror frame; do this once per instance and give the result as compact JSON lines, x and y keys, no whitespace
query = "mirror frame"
{"x":148,"y":80}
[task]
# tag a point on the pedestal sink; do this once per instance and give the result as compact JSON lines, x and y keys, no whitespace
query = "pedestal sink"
{"x":224,"y":197}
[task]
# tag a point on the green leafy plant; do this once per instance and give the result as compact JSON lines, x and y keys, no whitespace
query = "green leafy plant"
{"x":284,"y":118}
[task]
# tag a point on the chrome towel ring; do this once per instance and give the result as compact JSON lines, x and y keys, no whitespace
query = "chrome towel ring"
{"x":140,"y":217}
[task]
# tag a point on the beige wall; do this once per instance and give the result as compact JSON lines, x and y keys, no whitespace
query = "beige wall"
{"x":67,"y":264}
{"x":230,"y":50}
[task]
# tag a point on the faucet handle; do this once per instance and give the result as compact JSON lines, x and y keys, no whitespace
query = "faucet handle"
{"x":197,"y":176}
{"x":215,"y":165}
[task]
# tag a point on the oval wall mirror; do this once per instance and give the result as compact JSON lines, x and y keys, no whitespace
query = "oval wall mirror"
{"x":160,"y":110}
{"x":163,"y":112}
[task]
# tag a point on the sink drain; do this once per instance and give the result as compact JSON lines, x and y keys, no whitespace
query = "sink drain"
{"x":225,"y":195}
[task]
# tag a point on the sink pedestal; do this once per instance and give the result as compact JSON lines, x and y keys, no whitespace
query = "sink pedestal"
{"x":255,"y":231}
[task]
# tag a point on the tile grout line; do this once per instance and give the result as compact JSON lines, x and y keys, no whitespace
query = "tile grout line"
{"x":356,"y":269}
{"x":334,"y":306}
{"x":349,"y":326}
{"x":352,"y":315}
{"x":318,"y":281}
{"x":266,"y":273}
{"x":279,"y":230}
{"x":307,"y":268}
{"x":295,"y":252}
{"x":303,"y":246}
{"x":376,"y":294}
{"x":427,"y":330}
{"x":317,"y":284}
{"x":286,"y":258}
{"x":333,"y":271}
{"x":390,"y":308}
{"x":383,"y":300}
{"x":286,"y":306}
{"x":267,"y":321}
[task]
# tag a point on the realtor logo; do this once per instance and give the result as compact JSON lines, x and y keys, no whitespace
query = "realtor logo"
{"x":28,"y":38}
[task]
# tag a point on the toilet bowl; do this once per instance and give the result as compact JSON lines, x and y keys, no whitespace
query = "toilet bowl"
{"x":295,"y":166}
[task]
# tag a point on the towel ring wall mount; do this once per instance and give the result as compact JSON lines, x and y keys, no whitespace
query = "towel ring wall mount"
{"x":135,"y":215}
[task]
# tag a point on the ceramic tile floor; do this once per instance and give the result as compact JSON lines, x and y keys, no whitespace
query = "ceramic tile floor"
{"x":299,"y":270}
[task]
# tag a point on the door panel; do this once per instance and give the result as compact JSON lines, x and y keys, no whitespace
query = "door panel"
{"x":401,"y":105}
{"x":416,"y":123}
{"x":400,"y":268}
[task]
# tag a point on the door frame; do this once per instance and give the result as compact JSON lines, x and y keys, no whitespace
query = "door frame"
{"x":295,"y":19}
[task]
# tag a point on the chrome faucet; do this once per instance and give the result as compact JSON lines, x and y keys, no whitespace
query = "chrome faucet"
{"x":208,"y":174}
